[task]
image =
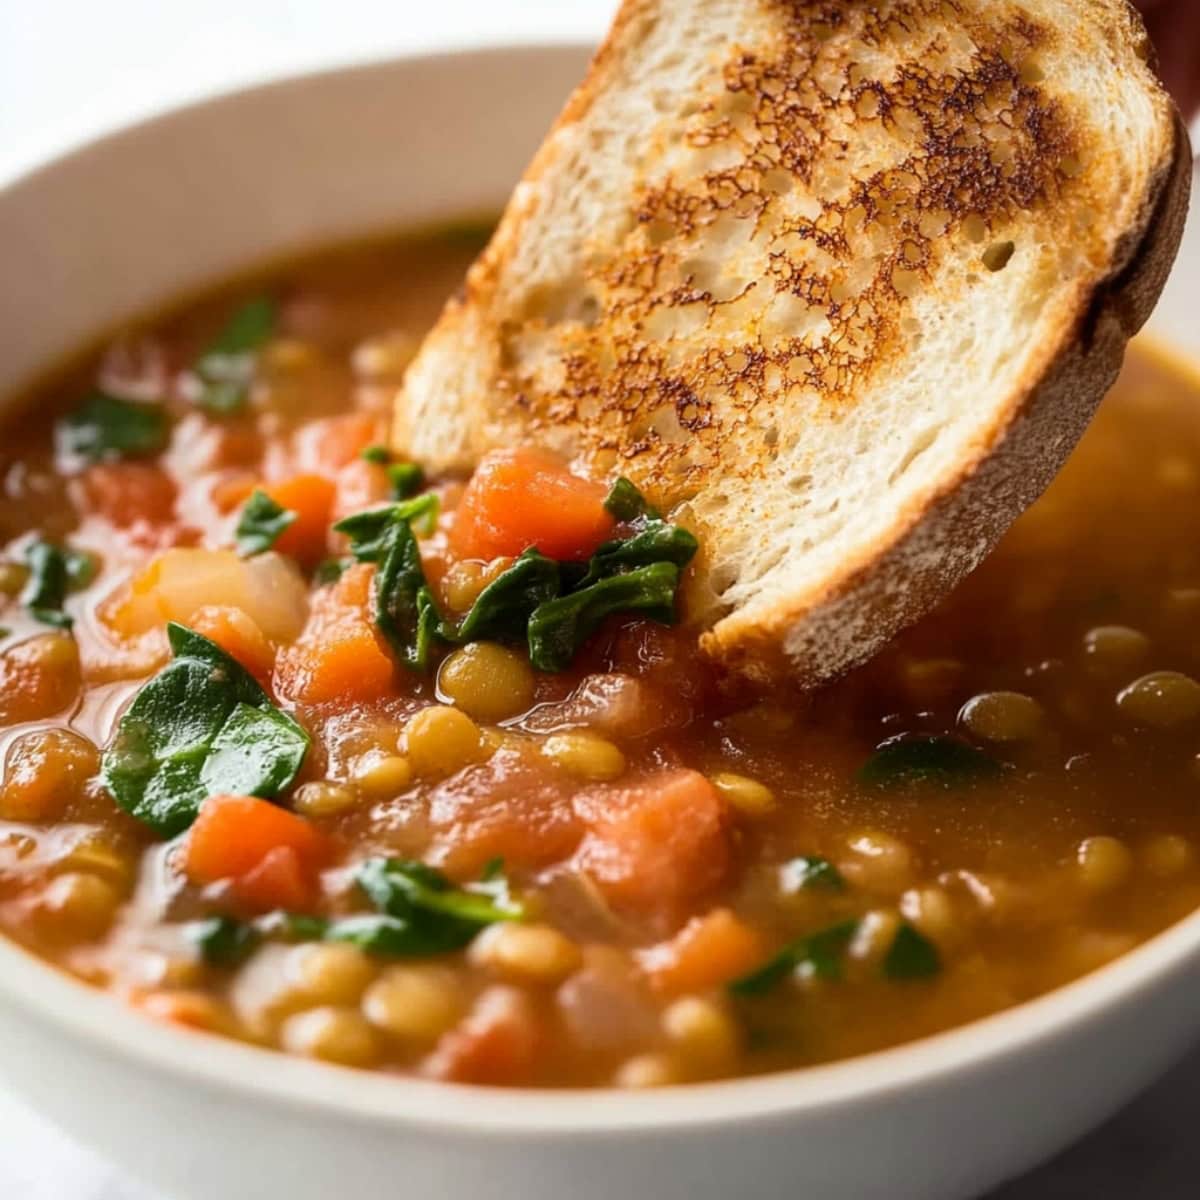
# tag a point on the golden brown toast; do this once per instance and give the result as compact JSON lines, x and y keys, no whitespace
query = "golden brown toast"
{"x":838,"y":284}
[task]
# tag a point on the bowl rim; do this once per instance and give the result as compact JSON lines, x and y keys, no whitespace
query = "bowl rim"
{"x":108,"y":1025}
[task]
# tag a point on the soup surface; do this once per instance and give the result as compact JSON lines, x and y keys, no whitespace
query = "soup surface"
{"x":304,"y":749}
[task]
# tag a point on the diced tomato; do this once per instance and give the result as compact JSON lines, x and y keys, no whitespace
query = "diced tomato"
{"x":310,"y":497}
{"x":522,"y":498}
{"x":338,"y":656}
{"x":130,"y":492}
{"x":658,"y":845}
{"x":237,"y":634}
{"x":708,"y":952}
{"x":497,"y":1043}
{"x":504,"y":808}
{"x":271,"y":855}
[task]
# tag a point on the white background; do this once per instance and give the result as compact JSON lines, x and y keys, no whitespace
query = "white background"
{"x":71,"y":68}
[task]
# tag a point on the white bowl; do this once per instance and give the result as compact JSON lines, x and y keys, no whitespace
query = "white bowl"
{"x":107,"y":232}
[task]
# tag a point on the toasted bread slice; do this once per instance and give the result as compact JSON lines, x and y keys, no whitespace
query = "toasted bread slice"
{"x":837,"y":283}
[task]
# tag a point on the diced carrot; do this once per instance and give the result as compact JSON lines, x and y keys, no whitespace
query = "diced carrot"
{"x":353,"y":589}
{"x":310,"y":497}
{"x":271,"y":855}
{"x":191,"y":1010}
{"x":338,"y":657}
{"x":522,"y":498}
{"x":330,"y":443}
{"x":237,"y":634}
{"x":360,"y":484}
{"x":497,"y":1043}
{"x":279,"y":881}
{"x":232,"y":492}
{"x":658,"y":845}
{"x":708,"y":952}
{"x":345,"y":662}
{"x":128,"y":492}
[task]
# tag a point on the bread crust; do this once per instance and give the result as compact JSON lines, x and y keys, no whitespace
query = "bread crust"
{"x":473,"y":387}
{"x":933,"y":545}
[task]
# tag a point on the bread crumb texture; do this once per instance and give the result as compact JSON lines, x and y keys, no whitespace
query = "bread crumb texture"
{"x":792,"y":265}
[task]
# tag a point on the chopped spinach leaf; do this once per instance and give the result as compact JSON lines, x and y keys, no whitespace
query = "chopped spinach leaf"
{"x":380,"y":455}
{"x":502,"y":610}
{"x":226,"y":368}
{"x":368,"y":530}
{"x":438,"y":916}
{"x":53,"y":572}
{"x":107,"y":427}
{"x":626,"y":503}
{"x":656,"y":542}
{"x":330,"y":570}
{"x":420,"y":912}
{"x":261,"y":524}
{"x":912,"y":956}
{"x":248,"y":329}
{"x":942,"y":761}
{"x":222,"y":941}
{"x":389,"y":937}
{"x":819,"y":953}
{"x":202,"y":726}
{"x":811,"y":872}
{"x":405,"y":610}
{"x":291,"y":927}
{"x":558,"y":628}
{"x":406,"y":478}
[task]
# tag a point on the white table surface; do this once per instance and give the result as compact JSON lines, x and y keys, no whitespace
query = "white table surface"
{"x":72,"y":68}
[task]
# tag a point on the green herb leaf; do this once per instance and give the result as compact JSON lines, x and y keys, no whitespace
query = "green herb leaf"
{"x":819,"y":953}
{"x":226,"y":368}
{"x":438,"y":916}
{"x":202,"y":726}
{"x":53,"y":572}
{"x":405,"y":610}
{"x":811,"y":872}
{"x":258,"y":752}
{"x":380,"y":455}
{"x":248,"y":329}
{"x":406,"y":478}
{"x":222,"y":941}
{"x":106,"y":427}
{"x":292,"y":927}
{"x":261,"y":523}
{"x":912,"y":956}
{"x":330,"y":570}
{"x":559,"y":627}
{"x":941,"y":761}
{"x":626,"y":503}
{"x":367,"y":530}
{"x":388,"y":937}
{"x":502,"y":610}
{"x":657,"y":542}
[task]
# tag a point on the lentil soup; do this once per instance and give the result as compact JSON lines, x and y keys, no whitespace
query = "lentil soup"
{"x":305,"y":749}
